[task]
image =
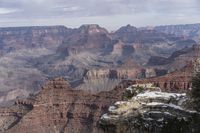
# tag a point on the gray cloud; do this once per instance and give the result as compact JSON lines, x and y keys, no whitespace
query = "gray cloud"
{"x":136,"y":12}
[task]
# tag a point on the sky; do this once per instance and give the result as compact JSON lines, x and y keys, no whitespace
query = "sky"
{"x":110,"y":14}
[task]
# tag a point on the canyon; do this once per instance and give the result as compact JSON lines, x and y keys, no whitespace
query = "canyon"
{"x":85,"y":56}
{"x":59,"y":79}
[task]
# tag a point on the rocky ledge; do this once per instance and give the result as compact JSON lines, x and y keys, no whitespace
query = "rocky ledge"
{"x":148,"y":110}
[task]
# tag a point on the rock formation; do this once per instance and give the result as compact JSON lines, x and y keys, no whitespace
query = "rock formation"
{"x":188,"y":30}
{"x":178,"y":81}
{"x":57,"y":108}
{"x":31,"y":55}
{"x":118,"y":73}
{"x":121,"y":49}
{"x":150,"y":111}
{"x":178,"y":59}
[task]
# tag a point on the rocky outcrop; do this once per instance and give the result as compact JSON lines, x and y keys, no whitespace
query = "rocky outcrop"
{"x":178,"y":81}
{"x":151,"y":111}
{"x":127,"y":33}
{"x":89,"y":37}
{"x":92,"y":29}
{"x":57,"y":108}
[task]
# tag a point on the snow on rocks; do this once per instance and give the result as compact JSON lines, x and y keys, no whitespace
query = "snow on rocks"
{"x":149,"y":108}
{"x":155,"y":94}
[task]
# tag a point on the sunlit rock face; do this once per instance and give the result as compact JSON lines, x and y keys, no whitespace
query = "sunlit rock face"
{"x":149,"y":110}
{"x":58,"y":108}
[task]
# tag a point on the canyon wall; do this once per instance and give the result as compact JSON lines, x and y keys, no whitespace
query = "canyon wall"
{"x":57,"y":108}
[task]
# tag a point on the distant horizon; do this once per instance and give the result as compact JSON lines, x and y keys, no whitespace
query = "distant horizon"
{"x":27,"y":26}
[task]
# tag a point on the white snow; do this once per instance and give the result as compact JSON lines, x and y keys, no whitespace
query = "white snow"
{"x":160,"y":120}
{"x":167,"y":113}
{"x":120,"y":102}
{"x":156,"y":94}
{"x":175,"y":106}
{"x":170,"y":105}
{"x":143,"y":85}
{"x":155,"y":112}
{"x":129,"y":89}
{"x":164,"y":105}
{"x":154,"y":104}
{"x":111,"y":108}
{"x":105,"y":116}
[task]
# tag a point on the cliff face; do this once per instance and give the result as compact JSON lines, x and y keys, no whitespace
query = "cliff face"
{"x":178,"y":81}
{"x":30,"y":37}
{"x":121,"y":49}
{"x":148,"y":110}
{"x":91,"y":37}
{"x":57,"y":108}
{"x":178,"y":59}
{"x":118,"y":73}
{"x":188,"y":30}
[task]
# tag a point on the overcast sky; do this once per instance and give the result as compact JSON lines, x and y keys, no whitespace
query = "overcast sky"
{"x":107,"y":13}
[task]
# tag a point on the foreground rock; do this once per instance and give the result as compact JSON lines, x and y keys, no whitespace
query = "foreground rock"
{"x":151,"y":111}
{"x":58,"y":109}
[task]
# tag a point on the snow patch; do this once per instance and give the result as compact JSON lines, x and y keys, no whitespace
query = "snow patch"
{"x":120,"y":102}
{"x":105,"y":116}
{"x":156,"y":94}
{"x":111,"y":108}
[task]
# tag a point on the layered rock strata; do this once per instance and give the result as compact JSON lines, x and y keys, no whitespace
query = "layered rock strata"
{"x":178,"y":81}
{"x":149,"y":110}
{"x":57,"y":108}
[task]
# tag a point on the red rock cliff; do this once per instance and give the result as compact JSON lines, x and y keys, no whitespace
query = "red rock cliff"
{"x":60,"y":109}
